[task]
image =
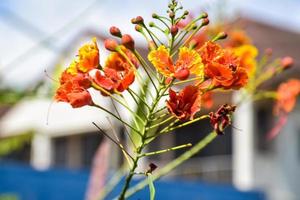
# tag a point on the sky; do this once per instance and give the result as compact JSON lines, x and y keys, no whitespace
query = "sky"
{"x":34,"y":33}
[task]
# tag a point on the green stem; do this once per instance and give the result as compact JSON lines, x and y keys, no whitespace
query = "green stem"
{"x":115,"y":116}
{"x":175,"y":163}
{"x":166,"y":150}
{"x":160,"y":123}
{"x":184,"y":124}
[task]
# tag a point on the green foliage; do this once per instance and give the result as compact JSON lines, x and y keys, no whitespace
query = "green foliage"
{"x":10,"y":144}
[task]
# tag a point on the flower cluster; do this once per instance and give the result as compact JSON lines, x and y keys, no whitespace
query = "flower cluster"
{"x":175,"y":81}
{"x":86,"y":72}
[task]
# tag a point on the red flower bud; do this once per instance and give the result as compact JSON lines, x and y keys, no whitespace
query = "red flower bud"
{"x":182,"y":74}
{"x":287,"y":62}
{"x":137,"y":20}
{"x":110,"y":44}
{"x":205,"y":22}
{"x":115,"y":31}
{"x":128,"y":42}
{"x":174,"y":30}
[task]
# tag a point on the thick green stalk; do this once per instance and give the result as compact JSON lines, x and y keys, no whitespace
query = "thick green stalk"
{"x":140,"y":149}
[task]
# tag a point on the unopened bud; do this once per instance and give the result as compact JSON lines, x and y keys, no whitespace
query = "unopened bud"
{"x":154,"y":15}
{"x":287,"y":62}
{"x":128,"y":41}
{"x":115,"y":31}
{"x":186,"y":12}
{"x":137,"y":20}
{"x":220,"y":36}
{"x":151,"y":24}
{"x":171,"y":15}
{"x":269,"y":51}
{"x":174,"y":30}
{"x":138,"y":28}
{"x":111,"y":44}
{"x":204,"y":15}
{"x":205,"y":22}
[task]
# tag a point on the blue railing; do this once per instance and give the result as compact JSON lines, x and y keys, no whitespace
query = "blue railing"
{"x":18,"y":182}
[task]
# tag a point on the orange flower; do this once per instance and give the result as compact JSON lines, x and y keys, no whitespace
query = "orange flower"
{"x":186,"y":103}
{"x":88,"y":57}
{"x":222,"y":67}
{"x":73,"y":89}
{"x":286,"y":96}
{"x":118,"y":73}
{"x":247,"y":55}
{"x":188,"y":62}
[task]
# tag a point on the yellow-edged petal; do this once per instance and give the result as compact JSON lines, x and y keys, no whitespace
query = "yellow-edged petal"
{"x":160,"y":59}
{"x":190,"y":59}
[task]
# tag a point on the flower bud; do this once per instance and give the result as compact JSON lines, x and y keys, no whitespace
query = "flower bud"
{"x":174,"y":30}
{"x":137,"y":20}
{"x":205,"y":22}
{"x":115,"y":31}
{"x":186,"y":12}
{"x":204,"y":15}
{"x":111,"y":44}
{"x":269,"y":51}
{"x":171,"y":15}
{"x":220,"y":36}
{"x":138,"y":28}
{"x":287,"y":62}
{"x":128,"y":42}
{"x":154,"y":15}
{"x":151,"y":24}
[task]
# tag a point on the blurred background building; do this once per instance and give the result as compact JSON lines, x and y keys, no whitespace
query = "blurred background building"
{"x":38,"y":36}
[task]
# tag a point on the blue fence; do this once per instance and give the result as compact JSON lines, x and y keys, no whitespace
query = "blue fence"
{"x":24,"y":183}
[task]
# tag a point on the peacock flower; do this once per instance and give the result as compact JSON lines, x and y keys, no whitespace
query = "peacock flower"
{"x":186,"y":103}
{"x":286,"y":96}
{"x":118,"y":73}
{"x":73,"y":89}
{"x":88,"y":57}
{"x":222,"y":67}
{"x":188,"y":62}
{"x":247,"y":54}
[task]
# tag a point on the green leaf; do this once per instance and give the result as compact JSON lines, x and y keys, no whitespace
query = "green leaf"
{"x":151,"y":186}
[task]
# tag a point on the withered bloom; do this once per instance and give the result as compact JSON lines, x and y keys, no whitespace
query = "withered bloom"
{"x":222,"y":118}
